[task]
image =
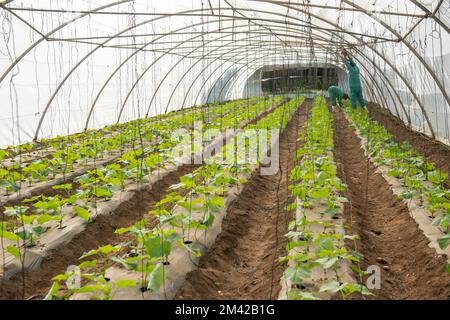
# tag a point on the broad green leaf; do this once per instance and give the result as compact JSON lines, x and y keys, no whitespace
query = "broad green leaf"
{"x":327,"y":262}
{"x":51,"y":295}
{"x":60,"y":277}
{"x":66,"y":186}
{"x":15,"y":211}
{"x":214,"y":204}
{"x":156,"y":278}
{"x":89,"y":253}
{"x":320,"y":193}
{"x":332,"y":286}
{"x":101,"y":192}
{"x":442,"y":221}
{"x":125,"y":283}
{"x":9,"y":235}
{"x":324,"y":244}
{"x":87,"y":264}
{"x":3,"y":154}
{"x":349,"y":288}
{"x":301,"y":295}
{"x":38,"y":230}
{"x":444,"y":241}
{"x":292,"y":206}
{"x":109,"y":248}
{"x":157,"y":247}
{"x":406,"y":195}
{"x":437,"y":177}
{"x":122,"y":230}
{"x":294,"y":244}
{"x":208,"y":219}
{"x":297,"y":275}
{"x":90,"y":288}
{"x":45,"y":218}
{"x":131,"y":265}
{"x":14,"y":251}
{"x":82,"y":213}
{"x":196,"y":252}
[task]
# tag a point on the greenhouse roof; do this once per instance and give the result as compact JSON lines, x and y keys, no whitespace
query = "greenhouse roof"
{"x":67,"y":66}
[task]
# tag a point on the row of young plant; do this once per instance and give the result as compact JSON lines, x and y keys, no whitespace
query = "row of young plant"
{"x":319,"y":263}
{"x":421,"y":179}
{"x":80,"y":150}
{"x":192,"y":205}
{"x":34,"y":146}
{"x":23,"y":225}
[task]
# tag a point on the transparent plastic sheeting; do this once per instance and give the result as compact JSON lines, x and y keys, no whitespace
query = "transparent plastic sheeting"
{"x":69,"y":65}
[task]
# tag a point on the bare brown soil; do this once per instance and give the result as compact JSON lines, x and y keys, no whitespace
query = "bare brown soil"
{"x":432,"y":150}
{"x":242,"y":262}
{"x":390,"y":238}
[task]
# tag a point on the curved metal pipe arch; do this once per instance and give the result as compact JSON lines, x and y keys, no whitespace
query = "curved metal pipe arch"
{"x":45,"y":110}
{"x":183,"y":76}
{"x":173,"y":67}
{"x":380,"y":71}
{"x":232,"y":50}
{"x":382,"y":57}
{"x":408,"y":85}
{"x":410,"y":47}
{"x":123,"y":31}
{"x":120,"y":2}
{"x":123,"y":63}
{"x":366,"y":71}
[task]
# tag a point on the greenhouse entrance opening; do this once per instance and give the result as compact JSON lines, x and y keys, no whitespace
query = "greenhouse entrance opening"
{"x":292,"y":80}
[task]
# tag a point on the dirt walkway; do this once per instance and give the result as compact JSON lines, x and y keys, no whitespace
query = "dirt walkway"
{"x":390,"y":238}
{"x":241,"y":265}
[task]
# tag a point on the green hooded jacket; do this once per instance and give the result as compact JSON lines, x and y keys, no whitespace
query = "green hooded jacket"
{"x":353,"y":74}
{"x":335,"y":93}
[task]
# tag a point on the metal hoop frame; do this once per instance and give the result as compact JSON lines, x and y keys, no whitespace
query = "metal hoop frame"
{"x":236,"y":51}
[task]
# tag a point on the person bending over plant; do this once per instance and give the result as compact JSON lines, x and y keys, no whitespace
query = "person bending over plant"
{"x":335,"y":93}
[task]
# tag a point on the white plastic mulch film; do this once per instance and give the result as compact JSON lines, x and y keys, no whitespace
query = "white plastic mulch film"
{"x":68,"y":65}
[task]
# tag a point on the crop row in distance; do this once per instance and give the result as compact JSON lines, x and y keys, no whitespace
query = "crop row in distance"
{"x":95,"y":191}
{"x":319,"y":263}
{"x":143,"y":261}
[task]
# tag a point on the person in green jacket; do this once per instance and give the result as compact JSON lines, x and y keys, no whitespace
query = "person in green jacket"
{"x":335,"y":93}
{"x":356,"y":94}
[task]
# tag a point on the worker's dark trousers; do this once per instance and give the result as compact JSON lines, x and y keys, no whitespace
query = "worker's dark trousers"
{"x":356,"y":95}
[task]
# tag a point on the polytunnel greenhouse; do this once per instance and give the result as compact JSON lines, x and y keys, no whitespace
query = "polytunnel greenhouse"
{"x":225,"y":150}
